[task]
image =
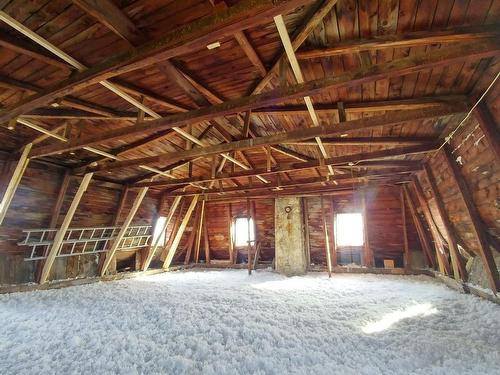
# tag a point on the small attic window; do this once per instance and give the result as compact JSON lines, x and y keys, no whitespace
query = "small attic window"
{"x":349,"y":229}
{"x":240,"y":230}
{"x":160,"y":222}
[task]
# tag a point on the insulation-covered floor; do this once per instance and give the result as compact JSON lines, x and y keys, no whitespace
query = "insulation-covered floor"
{"x":224,"y":322}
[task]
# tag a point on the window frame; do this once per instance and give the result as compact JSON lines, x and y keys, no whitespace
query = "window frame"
{"x":336,"y":227}
{"x":252,"y":232}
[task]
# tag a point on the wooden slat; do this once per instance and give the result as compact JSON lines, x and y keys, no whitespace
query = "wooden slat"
{"x":406,"y":249}
{"x":367,"y":251}
{"x":489,"y":128}
{"x":327,"y":240}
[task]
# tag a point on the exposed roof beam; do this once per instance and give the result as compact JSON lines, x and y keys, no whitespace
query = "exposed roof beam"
{"x":245,"y":14}
{"x":294,"y":135}
{"x":360,"y":159}
{"x":303,"y":182}
{"x":355,"y":141}
{"x":443,"y":56}
{"x":405,"y":40}
{"x":247,"y":47}
{"x":69,"y":101}
{"x":309,"y":25}
{"x":32,"y":50}
{"x":106,"y":12}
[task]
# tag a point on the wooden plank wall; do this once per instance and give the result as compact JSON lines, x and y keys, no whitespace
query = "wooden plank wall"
{"x":32,"y":207}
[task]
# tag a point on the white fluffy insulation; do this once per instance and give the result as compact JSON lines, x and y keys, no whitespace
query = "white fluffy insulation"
{"x":225,"y":322}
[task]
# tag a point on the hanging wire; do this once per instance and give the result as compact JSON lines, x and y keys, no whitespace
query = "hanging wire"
{"x":450,"y":136}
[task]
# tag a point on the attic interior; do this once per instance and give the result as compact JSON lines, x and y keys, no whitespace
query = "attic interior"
{"x":351,"y":144}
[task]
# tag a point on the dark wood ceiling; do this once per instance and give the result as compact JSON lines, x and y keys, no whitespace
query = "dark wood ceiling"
{"x":204,"y":77}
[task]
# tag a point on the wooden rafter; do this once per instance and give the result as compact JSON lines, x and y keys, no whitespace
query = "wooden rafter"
{"x":199,"y":33}
{"x":411,"y":64}
{"x":405,"y":40}
{"x":294,"y":135}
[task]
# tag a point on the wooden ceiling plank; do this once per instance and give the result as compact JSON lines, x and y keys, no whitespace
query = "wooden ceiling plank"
{"x":106,"y":12}
{"x":245,"y":14}
{"x":402,"y":66}
{"x":404,"y":40}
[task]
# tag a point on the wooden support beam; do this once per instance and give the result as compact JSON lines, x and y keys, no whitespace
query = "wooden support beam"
{"x":309,"y":25}
{"x":117,"y":241}
{"x":411,"y":64}
{"x":459,"y":271}
{"x":307,"y":235}
{"x":444,"y":266}
{"x":180,"y":232}
{"x":367,"y":251}
{"x":14,"y":182}
{"x":252,"y":55}
{"x":334,"y":244}
{"x":106,"y":12}
{"x":361,"y":160}
{"x":489,"y":128}
{"x":32,"y":50}
{"x":56,"y":211}
{"x":406,"y":249}
{"x":232,"y":257}
{"x":59,"y":237}
{"x":206,"y":241}
{"x":327,"y":239}
{"x":175,"y":228}
{"x":478,"y":228}
{"x":405,"y":40}
{"x":156,"y":244}
{"x":249,"y":243}
{"x":422,"y":235}
{"x":192,"y":235}
{"x":294,"y":135}
{"x":197,"y":34}
{"x":358,"y":141}
{"x":199,"y":233}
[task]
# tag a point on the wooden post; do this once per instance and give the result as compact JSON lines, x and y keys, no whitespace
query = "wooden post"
{"x":306,"y":231}
{"x":458,"y":267}
{"x":444,"y":266}
{"x":232,"y":257}
{"x":14,"y":181}
{"x":327,"y":241}
{"x":56,"y":245}
{"x":192,"y":236}
{"x":116,"y":242}
{"x":155,"y":246}
{"x":424,"y":240}
{"x":475,"y":218}
{"x":199,"y":232}
{"x":205,"y":239}
{"x":249,"y":244}
{"x":406,"y":257}
{"x":334,"y":245}
{"x":367,"y":252}
{"x":180,"y":232}
{"x":60,"y":199}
